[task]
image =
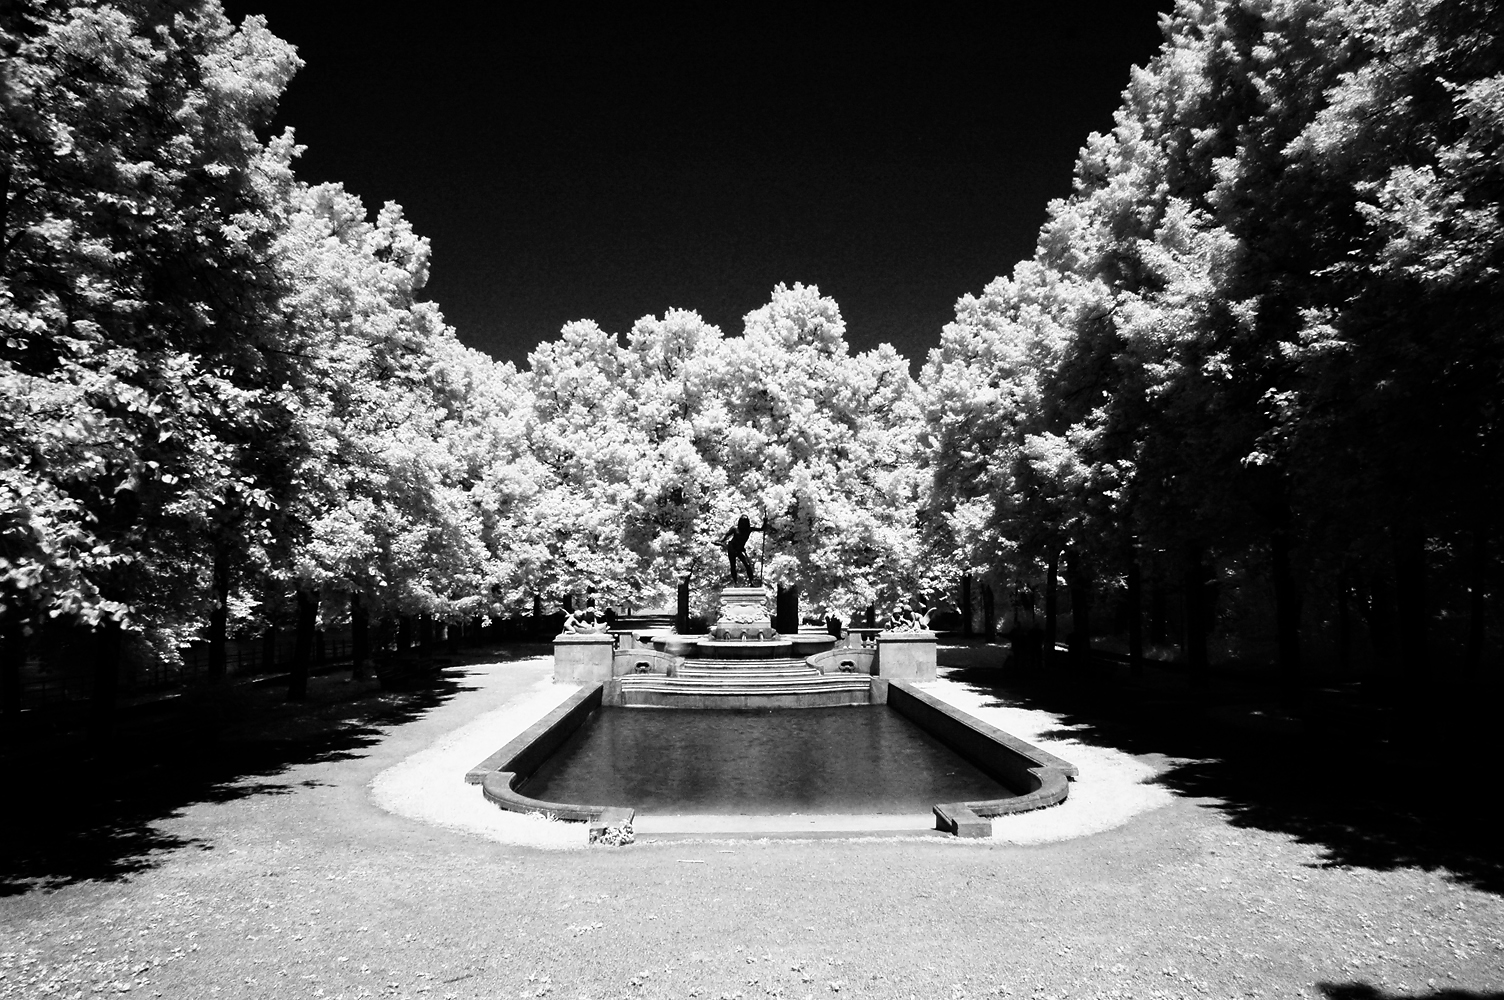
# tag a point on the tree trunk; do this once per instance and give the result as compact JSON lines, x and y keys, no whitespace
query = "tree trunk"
{"x":404,"y":633}
{"x":308,"y":616}
{"x":1286,"y":614}
{"x":1080,"y":638}
{"x":786,"y":604}
{"x":1477,"y":601}
{"x":1381,"y":614}
{"x":360,"y":639}
{"x":1195,"y":614}
{"x":1135,"y":617}
{"x":989,"y":612}
{"x":269,"y":649}
{"x":425,"y":633}
{"x":219,"y":616}
{"x":106,"y":685}
{"x":1410,"y":595}
{"x":1050,"y":624}
{"x":1025,"y":647}
{"x":1159,"y":613}
{"x":4,"y":211}
{"x":1344,"y":624}
{"x":966,"y":605}
{"x":681,"y":607}
{"x":12,"y":659}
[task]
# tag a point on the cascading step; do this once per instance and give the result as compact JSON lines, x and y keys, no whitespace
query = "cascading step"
{"x":707,"y":664}
{"x":687,"y":671}
{"x":821,"y":691}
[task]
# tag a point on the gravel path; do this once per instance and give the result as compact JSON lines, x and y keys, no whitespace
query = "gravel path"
{"x":302,"y":885}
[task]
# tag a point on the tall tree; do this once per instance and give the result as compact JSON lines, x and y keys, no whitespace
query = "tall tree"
{"x":138,"y":372}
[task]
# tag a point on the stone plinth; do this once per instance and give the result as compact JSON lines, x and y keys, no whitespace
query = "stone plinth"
{"x":583,"y":657}
{"x":755,"y":596}
{"x":743,"y":616}
{"x":906,"y":655}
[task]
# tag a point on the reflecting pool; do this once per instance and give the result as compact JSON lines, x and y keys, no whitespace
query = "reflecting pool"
{"x":865,"y":759}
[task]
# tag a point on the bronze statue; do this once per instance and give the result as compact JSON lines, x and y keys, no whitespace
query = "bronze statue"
{"x":734,"y":541}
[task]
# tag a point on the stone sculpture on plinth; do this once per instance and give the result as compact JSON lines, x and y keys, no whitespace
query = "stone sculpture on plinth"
{"x":906,"y":648}
{"x":743,"y":616}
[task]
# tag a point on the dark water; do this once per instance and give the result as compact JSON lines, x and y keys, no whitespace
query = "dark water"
{"x":812,"y":760}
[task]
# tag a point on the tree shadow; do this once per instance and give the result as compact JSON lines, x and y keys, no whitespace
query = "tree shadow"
{"x":1367,"y":991}
{"x":75,"y":814}
{"x":1373,"y":786}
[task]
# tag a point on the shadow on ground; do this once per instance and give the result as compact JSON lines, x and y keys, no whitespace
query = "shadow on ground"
{"x":1366,"y":991}
{"x":1375,"y":785}
{"x":75,"y":816}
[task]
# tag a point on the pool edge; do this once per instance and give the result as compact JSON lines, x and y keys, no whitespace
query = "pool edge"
{"x":1040,"y":778}
{"x":500,"y":773}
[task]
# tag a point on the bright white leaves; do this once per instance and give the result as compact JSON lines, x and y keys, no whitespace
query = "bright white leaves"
{"x":402,"y":426}
{"x":129,"y":383}
{"x":656,"y":448}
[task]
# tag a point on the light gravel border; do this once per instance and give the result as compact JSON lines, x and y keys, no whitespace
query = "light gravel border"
{"x":429,"y":786}
{"x":1111,"y":789}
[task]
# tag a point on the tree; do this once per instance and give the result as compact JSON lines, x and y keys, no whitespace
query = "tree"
{"x":137,"y":370}
{"x":1267,"y":303}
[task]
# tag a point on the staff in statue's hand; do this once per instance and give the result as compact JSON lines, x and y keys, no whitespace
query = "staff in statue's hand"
{"x":734,"y":541}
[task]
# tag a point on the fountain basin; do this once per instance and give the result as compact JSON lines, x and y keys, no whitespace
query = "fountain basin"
{"x":737,"y":649}
{"x":862,"y":760}
{"x":1031,"y":777}
{"x":810,"y":643}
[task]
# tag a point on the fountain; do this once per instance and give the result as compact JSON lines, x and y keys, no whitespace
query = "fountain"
{"x":743,"y":759}
{"x":744,"y":662}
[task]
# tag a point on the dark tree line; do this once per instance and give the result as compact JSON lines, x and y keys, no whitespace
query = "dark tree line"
{"x":1257,"y":354}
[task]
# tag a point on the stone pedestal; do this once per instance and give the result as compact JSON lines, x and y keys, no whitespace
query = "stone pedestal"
{"x":755,"y":597}
{"x":583,"y":657}
{"x":906,"y":655}
{"x":743,"y":615}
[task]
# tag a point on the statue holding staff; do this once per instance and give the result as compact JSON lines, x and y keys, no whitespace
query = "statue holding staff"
{"x":734,"y":541}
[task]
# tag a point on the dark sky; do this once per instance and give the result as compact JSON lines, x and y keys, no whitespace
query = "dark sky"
{"x":571,"y":165}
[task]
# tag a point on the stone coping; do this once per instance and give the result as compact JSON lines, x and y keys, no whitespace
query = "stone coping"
{"x":741,"y":649}
{"x":499,"y":774}
{"x":755,"y":594}
{"x":863,"y":659}
{"x":887,"y":636}
{"x":1040,"y":778}
{"x":684,"y":825}
{"x":625,"y":662}
{"x":584,"y":638}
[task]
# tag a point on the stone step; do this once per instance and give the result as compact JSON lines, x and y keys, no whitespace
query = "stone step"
{"x":778,"y":662}
{"x":655,"y":682}
{"x":745,"y":678}
{"x":734,"y":667}
{"x":766,"y":671}
{"x":667,"y":693}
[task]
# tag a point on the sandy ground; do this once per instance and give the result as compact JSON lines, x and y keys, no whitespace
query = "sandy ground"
{"x":427,"y":786}
{"x":275,"y":875}
{"x":1111,"y":789}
